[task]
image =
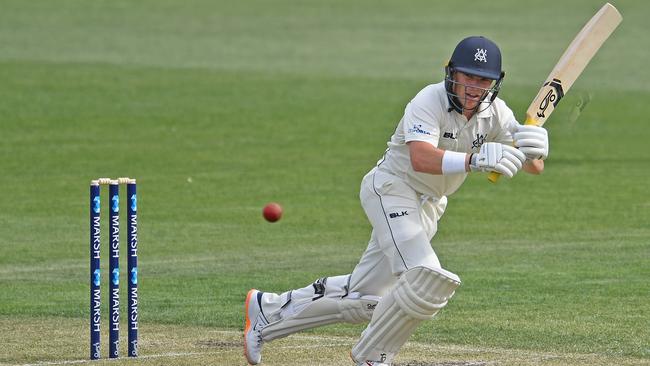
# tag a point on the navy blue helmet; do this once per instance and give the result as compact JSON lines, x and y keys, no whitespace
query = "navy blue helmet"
{"x":478,"y":56}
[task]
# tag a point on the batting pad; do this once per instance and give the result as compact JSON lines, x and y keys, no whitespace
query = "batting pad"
{"x":320,"y":312}
{"x":417,"y":296}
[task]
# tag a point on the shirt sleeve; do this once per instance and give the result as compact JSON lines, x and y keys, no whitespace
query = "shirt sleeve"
{"x":505,"y":125}
{"x":420,"y":122}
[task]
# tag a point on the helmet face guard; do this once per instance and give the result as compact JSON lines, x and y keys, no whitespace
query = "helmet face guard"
{"x":458,"y":102}
{"x":477,"y":56}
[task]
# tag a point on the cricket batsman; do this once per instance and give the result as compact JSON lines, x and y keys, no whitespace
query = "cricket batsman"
{"x":448,"y":130}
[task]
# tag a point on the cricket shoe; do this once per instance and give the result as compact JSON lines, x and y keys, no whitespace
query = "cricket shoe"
{"x":253,"y":324}
{"x":368,"y":362}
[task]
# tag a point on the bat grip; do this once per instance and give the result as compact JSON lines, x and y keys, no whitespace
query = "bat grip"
{"x":493,"y":177}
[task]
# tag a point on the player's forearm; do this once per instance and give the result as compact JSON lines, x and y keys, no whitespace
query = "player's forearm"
{"x":425,"y":158}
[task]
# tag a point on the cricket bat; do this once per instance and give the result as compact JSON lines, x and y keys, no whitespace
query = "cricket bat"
{"x":574,"y":60}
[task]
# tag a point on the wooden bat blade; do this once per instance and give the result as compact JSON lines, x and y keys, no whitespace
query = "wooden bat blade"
{"x":573,"y":62}
{"x":570,"y":65}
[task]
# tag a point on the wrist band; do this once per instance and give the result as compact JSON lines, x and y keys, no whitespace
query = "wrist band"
{"x":453,"y":162}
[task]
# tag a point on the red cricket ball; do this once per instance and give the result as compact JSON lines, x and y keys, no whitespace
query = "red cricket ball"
{"x":272,"y":212}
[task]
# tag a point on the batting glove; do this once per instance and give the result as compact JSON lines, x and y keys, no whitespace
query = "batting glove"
{"x":532,"y":141}
{"x":496,"y":157}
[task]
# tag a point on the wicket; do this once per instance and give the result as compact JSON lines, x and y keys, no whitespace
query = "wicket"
{"x":114,"y":266}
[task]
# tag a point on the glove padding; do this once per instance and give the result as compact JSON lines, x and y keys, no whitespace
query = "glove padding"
{"x":532,"y":141}
{"x":496,"y":157}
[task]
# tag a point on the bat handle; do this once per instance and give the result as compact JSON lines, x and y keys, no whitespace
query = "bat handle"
{"x":493,"y":177}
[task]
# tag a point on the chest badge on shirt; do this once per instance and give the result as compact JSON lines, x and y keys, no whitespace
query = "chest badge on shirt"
{"x":480,"y":139}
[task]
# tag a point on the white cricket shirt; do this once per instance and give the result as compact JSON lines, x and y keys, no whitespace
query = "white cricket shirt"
{"x":427,"y":118}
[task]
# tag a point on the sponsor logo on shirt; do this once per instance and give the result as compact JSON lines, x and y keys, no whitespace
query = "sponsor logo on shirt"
{"x":418,"y":129}
{"x":449,"y":135}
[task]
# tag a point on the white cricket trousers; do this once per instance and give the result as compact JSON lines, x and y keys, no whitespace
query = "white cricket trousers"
{"x":403,"y":221}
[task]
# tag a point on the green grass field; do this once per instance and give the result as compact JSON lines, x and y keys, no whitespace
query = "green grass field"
{"x":219,"y":107}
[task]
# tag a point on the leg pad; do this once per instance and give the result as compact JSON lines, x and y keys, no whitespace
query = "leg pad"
{"x":418,"y":295}
{"x":323,"y":311}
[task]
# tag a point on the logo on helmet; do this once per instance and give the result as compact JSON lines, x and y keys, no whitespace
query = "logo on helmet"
{"x":480,"y":55}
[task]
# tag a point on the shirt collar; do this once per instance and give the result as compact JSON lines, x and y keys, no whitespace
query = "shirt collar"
{"x":487,"y":113}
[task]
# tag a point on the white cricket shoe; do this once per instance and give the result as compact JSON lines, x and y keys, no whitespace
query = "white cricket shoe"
{"x":253,"y":324}
{"x":368,"y":363}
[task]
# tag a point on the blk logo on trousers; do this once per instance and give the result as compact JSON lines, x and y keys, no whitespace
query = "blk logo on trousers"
{"x":393,"y":215}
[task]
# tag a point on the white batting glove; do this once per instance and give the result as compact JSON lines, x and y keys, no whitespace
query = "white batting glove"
{"x":532,"y":141}
{"x":496,"y":157}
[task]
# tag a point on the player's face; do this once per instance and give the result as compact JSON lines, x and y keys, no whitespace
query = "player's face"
{"x":470,"y":89}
